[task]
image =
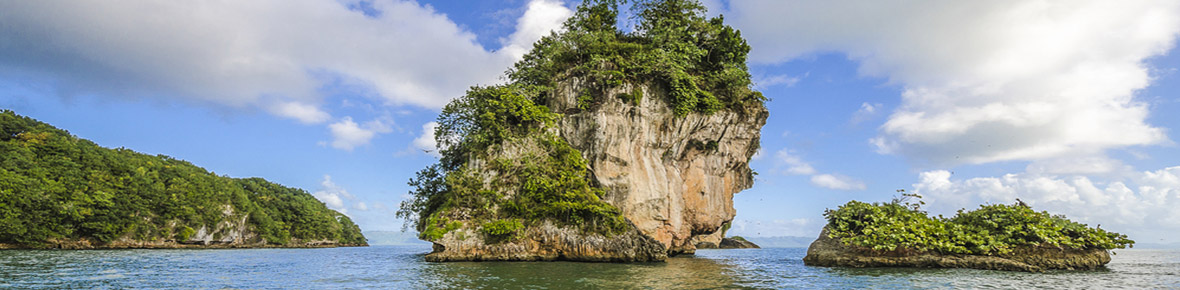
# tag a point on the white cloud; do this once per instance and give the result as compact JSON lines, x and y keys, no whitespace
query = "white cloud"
{"x":426,"y":142}
{"x":1142,"y":205}
{"x":867,"y":111}
{"x":337,"y":198}
{"x":305,"y":113}
{"x":347,"y":134}
{"x":269,"y":54}
{"x":542,"y":17}
{"x":795,"y":165}
{"x":986,"y":81}
{"x":837,"y":182}
{"x":775,"y":80}
{"x":333,"y":195}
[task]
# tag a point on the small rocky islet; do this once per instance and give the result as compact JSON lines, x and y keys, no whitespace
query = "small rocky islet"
{"x":993,"y":237}
{"x":604,"y":146}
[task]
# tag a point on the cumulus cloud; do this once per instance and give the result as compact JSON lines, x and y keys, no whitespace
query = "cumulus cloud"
{"x":269,"y":54}
{"x":775,"y":80}
{"x":305,"y":113}
{"x":867,"y":111}
{"x":347,"y":134}
{"x":541,"y":17}
{"x":1143,"y":204}
{"x":837,"y":182}
{"x":797,"y":166}
{"x":338,"y":198}
{"x":986,"y":81}
{"x":334,"y":196}
{"x":426,"y":142}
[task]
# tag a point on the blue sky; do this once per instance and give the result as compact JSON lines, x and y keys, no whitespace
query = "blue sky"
{"x":1067,"y":105}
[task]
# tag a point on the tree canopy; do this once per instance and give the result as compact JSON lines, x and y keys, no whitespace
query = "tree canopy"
{"x":54,"y":185}
{"x":699,"y":61}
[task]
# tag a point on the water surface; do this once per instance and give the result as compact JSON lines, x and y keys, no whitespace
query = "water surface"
{"x":402,"y":267}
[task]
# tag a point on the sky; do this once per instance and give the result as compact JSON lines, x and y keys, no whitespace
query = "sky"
{"x":1070,"y":106}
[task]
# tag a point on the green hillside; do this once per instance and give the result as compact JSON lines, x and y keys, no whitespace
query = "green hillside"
{"x":57,"y":187}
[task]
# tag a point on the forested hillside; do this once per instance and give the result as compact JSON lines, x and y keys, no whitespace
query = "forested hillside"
{"x":56,"y":187}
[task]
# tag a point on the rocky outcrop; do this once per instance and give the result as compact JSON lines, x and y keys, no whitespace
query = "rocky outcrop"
{"x":737,"y":243}
{"x":728,"y":243}
{"x":673,"y":176}
{"x":829,"y":252}
{"x":548,"y":242}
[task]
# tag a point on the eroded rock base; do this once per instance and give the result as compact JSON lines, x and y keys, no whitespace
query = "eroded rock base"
{"x":548,"y":242}
{"x":829,"y":252}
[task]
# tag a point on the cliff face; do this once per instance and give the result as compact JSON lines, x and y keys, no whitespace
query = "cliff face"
{"x":644,"y":135}
{"x":829,"y":252}
{"x":673,"y":176}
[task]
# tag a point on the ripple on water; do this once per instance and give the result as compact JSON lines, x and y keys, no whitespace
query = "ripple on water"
{"x":403,"y":268}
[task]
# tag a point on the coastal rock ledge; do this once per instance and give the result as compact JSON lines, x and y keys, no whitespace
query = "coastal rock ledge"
{"x":829,"y":252}
{"x":549,"y":243}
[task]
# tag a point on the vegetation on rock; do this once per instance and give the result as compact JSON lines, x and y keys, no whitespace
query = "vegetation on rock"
{"x":700,"y":62}
{"x":55,"y":186}
{"x":503,"y":167}
{"x":994,"y":229}
{"x":546,"y":180}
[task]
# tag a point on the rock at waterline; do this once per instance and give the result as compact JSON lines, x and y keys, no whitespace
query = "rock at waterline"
{"x":829,"y":252}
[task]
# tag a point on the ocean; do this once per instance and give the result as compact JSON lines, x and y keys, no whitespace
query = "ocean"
{"x":402,"y":267}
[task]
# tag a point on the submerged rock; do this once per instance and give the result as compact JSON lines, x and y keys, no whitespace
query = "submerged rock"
{"x":829,"y":252}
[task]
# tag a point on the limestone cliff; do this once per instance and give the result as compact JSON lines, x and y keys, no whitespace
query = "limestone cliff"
{"x":605,"y":145}
{"x":829,"y":252}
{"x":674,"y":177}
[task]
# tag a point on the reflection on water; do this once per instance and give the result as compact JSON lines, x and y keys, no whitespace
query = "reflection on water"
{"x":680,"y":272}
{"x":404,"y":268}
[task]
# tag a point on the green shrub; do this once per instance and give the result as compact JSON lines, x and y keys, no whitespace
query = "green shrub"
{"x":186,"y":233}
{"x":990,"y":230}
{"x":501,"y":228}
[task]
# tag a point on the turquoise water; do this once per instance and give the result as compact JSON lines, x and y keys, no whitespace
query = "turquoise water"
{"x":389,"y":267}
